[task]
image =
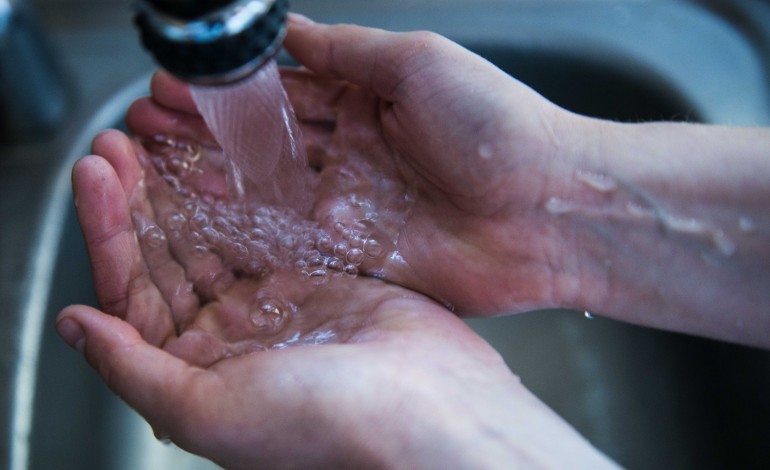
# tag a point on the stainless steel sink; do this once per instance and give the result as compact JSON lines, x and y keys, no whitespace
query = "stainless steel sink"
{"x":644,"y":397}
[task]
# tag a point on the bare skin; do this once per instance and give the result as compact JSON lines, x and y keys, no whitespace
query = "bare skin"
{"x":372,"y":401}
{"x":694,"y":259}
{"x":173,"y":337}
{"x":487,"y":156}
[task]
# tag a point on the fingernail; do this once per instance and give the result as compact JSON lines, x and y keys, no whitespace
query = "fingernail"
{"x":299,"y":19}
{"x":72,"y":333}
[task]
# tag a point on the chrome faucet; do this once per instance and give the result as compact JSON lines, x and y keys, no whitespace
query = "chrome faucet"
{"x":211,"y":42}
{"x":33,"y":98}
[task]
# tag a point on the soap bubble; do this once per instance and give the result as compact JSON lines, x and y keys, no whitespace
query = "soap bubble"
{"x":199,"y":221}
{"x":335,"y":264}
{"x":355,"y":256}
{"x":340,"y":249}
{"x":324,"y":244}
{"x":153,"y":237}
{"x":318,"y":276}
{"x":356,"y":241}
{"x":175,"y":221}
{"x":373,"y":248}
{"x":269,"y":316}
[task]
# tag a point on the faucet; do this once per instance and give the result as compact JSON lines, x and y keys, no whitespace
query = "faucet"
{"x":33,"y":98}
{"x":211,"y":42}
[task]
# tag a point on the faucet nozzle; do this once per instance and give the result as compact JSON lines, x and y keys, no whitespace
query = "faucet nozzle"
{"x":211,"y":42}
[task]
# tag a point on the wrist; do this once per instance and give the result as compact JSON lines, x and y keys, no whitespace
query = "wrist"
{"x":500,"y":425}
{"x":662,"y":226}
{"x":578,"y":190}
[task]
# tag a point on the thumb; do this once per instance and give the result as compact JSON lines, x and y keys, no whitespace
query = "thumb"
{"x":150,"y":380}
{"x":373,"y":59}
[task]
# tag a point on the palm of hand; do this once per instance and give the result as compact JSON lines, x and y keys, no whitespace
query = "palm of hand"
{"x":213,"y":304}
{"x":472,"y":236}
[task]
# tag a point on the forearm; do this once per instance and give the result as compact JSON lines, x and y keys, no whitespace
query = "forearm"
{"x":671,"y":227}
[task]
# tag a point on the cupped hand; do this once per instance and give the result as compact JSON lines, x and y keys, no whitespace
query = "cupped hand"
{"x":405,"y":383}
{"x":484,"y":154}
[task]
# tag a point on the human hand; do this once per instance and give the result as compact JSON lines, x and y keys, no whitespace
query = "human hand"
{"x":521,"y":204}
{"x":483,"y":152}
{"x":407,"y":385}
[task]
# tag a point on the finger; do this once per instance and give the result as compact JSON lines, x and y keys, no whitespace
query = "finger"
{"x":106,"y":224}
{"x":373,"y":59}
{"x":121,"y":279}
{"x":156,"y":384}
{"x":172,"y":93}
{"x":147,"y":118}
{"x":180,"y":242}
{"x":153,"y":228}
{"x":166,"y":273}
{"x":117,"y":149}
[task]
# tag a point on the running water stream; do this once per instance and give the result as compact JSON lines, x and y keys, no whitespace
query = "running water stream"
{"x":255,"y":125}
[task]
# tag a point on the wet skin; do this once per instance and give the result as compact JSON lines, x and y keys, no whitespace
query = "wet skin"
{"x":167,"y":348}
{"x":176,"y":343}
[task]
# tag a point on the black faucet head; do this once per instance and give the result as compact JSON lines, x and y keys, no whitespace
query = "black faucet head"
{"x":211,"y":42}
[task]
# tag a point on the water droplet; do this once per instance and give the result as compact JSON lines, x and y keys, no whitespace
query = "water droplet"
{"x":378,"y":274}
{"x":588,"y":315}
{"x":300,"y":265}
{"x":335,"y":264}
{"x":315,"y":260}
{"x":153,"y":237}
{"x":178,"y":167}
{"x":190,"y":208}
{"x":373,"y":248}
{"x":355,"y":256}
{"x":340,"y":249}
{"x":597,"y":181}
{"x":211,"y":235}
{"x":199,"y":221}
{"x":172,"y":181}
{"x":351,"y":270}
{"x":176,"y":221}
{"x":324,"y":244}
{"x":223,"y":225}
{"x":557,"y":206}
{"x":318,"y":276}
{"x":239,"y":251}
{"x":270,"y":317}
{"x":356,"y":242}
{"x":259,"y":234}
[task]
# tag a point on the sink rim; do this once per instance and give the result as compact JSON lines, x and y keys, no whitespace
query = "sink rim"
{"x":42,"y":260}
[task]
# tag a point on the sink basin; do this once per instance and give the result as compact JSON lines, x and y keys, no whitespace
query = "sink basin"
{"x":648,"y":399}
